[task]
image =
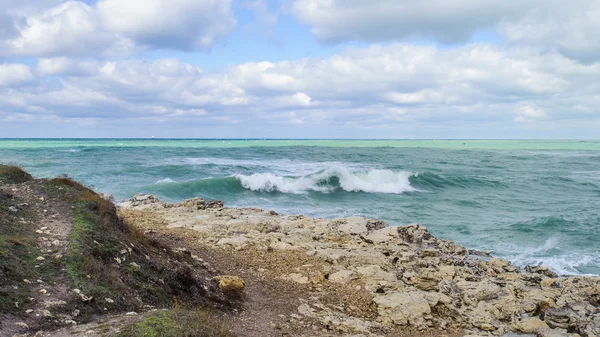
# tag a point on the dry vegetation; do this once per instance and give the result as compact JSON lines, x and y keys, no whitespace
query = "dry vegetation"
{"x":115,"y":267}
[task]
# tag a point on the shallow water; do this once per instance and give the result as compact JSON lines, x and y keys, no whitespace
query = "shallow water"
{"x":529,"y":201}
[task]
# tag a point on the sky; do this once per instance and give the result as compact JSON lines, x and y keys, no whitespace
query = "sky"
{"x":501,"y":69}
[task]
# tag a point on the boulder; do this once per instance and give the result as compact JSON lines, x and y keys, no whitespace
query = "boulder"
{"x":143,"y":199}
{"x":215,"y":204}
{"x":194,"y":203}
{"x":230,"y":285}
{"x":414,"y":233}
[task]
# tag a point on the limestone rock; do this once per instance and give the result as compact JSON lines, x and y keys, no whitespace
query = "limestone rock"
{"x":403,"y":308}
{"x":342,"y":276}
{"x":194,"y":203}
{"x":530,"y":325}
{"x":414,"y":233}
{"x":143,"y":199}
{"x":413,"y":277}
{"x":215,"y":204}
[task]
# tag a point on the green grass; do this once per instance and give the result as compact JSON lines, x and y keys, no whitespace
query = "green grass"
{"x":177,"y":323}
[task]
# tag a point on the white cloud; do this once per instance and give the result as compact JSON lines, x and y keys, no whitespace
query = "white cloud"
{"x":374,"y":87}
{"x":529,"y":113}
{"x":71,"y":28}
{"x":382,"y":20}
{"x":14,"y":75}
{"x":573,"y":29}
{"x":177,"y":24}
{"x":112,"y":28}
{"x":66,"y":67}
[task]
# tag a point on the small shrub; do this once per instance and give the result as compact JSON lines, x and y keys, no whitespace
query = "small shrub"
{"x":12,"y":174}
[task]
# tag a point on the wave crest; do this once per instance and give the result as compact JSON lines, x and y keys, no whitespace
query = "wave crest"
{"x":330,"y":180}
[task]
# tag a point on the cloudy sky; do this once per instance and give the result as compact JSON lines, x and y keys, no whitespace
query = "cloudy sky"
{"x":300,"y":68}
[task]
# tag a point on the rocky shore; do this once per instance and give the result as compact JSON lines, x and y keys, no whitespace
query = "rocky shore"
{"x":362,"y":277}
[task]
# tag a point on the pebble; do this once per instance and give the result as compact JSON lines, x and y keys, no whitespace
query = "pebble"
{"x":22,"y":325}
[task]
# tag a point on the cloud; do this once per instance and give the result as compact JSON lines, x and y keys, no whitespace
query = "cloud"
{"x":66,"y":67}
{"x":14,"y":75}
{"x":384,"y":20}
{"x":71,"y":28}
{"x":481,"y":86}
{"x":529,"y":113}
{"x":176,"y":24}
{"x":573,"y":30}
{"x":112,"y":28}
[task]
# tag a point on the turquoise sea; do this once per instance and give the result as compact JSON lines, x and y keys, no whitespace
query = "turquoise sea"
{"x":528,"y":201}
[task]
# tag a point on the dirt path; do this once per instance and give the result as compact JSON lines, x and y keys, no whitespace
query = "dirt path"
{"x":52,"y":227}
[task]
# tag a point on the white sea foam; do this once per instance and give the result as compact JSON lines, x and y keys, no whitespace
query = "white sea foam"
{"x":551,"y":256}
{"x":165,"y":181}
{"x":371,"y":181}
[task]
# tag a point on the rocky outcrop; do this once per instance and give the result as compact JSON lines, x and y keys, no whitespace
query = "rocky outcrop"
{"x":415,"y":279}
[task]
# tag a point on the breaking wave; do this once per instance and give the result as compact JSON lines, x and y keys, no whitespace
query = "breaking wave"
{"x":330,"y":180}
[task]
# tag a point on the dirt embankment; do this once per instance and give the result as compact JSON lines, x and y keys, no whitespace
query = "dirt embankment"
{"x":69,"y":264}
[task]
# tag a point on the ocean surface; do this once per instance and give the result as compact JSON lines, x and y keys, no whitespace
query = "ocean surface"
{"x":530,"y":202}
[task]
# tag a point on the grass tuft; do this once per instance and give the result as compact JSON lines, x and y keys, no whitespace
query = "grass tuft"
{"x":177,"y":323}
{"x":13,"y":174}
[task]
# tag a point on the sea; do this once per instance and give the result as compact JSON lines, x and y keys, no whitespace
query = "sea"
{"x":529,"y":201}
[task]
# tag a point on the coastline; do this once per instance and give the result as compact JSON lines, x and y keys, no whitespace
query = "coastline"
{"x":404,"y":277}
{"x":74,"y":263}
